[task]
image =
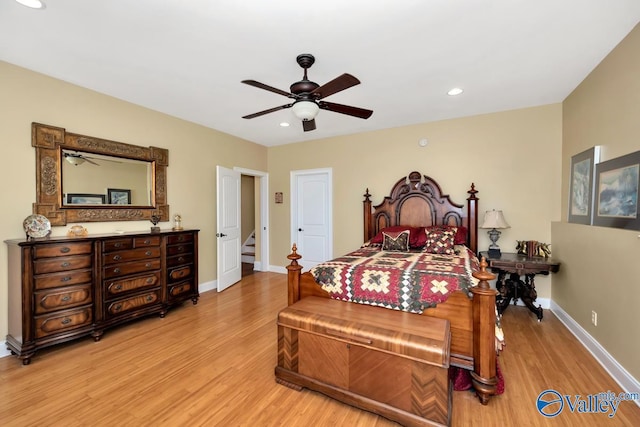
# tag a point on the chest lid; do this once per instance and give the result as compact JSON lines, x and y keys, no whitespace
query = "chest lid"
{"x":414,"y":336}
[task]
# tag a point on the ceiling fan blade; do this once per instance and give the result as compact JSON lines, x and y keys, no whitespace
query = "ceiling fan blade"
{"x":342,"y":82}
{"x":308,"y":125}
{"x":270,"y":110}
{"x":269,"y":88}
{"x":346,"y":109}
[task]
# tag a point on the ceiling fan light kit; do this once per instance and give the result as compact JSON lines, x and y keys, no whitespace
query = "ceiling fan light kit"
{"x":308,"y":95}
{"x":305,"y":110}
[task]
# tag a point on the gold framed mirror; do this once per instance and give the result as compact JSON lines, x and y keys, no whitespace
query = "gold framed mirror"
{"x":68,"y":202}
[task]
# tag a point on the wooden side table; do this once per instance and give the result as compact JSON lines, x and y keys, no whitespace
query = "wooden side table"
{"x":513,"y":288}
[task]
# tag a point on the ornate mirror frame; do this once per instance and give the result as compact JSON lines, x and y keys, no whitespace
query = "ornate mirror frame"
{"x":49,"y":142}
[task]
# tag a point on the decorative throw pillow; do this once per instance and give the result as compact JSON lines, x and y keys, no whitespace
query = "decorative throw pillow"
{"x":461,"y":233}
{"x":440,"y":240}
{"x":398,"y":241}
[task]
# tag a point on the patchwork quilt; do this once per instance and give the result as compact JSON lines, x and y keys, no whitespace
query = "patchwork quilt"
{"x":407,"y":281}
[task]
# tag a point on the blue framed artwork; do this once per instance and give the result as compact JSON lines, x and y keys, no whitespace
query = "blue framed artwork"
{"x":617,"y":192}
{"x":581,"y":187}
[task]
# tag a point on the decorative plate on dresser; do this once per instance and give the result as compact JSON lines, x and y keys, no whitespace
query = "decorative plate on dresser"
{"x":36,"y":226}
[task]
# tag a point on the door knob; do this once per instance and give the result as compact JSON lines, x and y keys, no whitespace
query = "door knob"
{"x":221,"y":235}
{"x":299,"y":229}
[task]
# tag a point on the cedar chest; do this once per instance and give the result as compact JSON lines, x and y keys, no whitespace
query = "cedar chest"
{"x":392,"y":363}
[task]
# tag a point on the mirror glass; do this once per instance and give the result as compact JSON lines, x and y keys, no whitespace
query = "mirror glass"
{"x":97,"y":179}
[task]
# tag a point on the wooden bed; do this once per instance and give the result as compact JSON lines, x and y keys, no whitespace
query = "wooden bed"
{"x":417,"y":200}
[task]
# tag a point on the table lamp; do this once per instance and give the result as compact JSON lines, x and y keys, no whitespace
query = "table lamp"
{"x":494,"y":220}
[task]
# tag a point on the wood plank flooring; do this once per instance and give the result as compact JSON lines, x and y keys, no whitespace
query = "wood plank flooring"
{"x":212,"y":365}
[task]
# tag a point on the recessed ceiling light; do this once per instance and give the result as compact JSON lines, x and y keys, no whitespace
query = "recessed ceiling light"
{"x":33,"y":4}
{"x":284,"y":124}
{"x":455,"y":91}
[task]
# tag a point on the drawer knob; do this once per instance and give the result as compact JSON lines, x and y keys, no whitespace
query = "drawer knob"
{"x":149,"y":280}
{"x":181,"y":259}
{"x":148,"y":253}
{"x":65,"y":279}
{"x":66,"y":298}
{"x":64,"y":250}
{"x":180,"y":238}
{"x":149,"y":298}
{"x":117,"y":258}
{"x":117,"y":307}
{"x":118,"y":287}
{"x":146,"y":242}
{"x":180,"y":248}
{"x":65,"y":264}
{"x":117,"y":245}
{"x":66,"y":321}
{"x":148,"y":265}
{"x":116,"y":270}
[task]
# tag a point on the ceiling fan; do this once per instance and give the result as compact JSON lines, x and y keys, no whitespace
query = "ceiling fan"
{"x":308,"y":96}
{"x":78,"y":159}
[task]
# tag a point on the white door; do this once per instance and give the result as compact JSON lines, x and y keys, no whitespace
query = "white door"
{"x":228,"y":235}
{"x":311,"y":217}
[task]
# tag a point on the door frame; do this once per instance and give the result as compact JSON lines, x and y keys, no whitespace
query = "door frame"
{"x":263,"y":265}
{"x":294,"y":204}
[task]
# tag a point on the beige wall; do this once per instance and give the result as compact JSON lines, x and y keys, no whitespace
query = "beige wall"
{"x":601,"y":266}
{"x":194,"y":152}
{"x":513,"y":158}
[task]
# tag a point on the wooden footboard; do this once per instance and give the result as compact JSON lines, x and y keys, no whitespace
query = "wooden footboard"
{"x":472,"y":323}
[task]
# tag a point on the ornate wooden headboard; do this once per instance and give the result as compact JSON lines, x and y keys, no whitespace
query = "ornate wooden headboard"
{"x":417,"y":200}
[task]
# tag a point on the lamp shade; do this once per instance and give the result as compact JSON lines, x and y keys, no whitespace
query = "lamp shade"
{"x":305,"y":110}
{"x":494,"y":219}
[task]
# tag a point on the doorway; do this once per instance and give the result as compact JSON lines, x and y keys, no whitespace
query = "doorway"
{"x":312,"y":215}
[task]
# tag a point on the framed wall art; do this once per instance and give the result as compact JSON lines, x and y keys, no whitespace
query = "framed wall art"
{"x":581,"y":187}
{"x":85,"y":199}
{"x":117,"y":196}
{"x":616,"y":203}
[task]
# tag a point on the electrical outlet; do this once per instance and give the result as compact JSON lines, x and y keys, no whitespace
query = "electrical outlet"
{"x":594,"y":318}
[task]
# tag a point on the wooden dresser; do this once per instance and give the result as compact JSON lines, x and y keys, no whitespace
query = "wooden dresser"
{"x":63,"y":288}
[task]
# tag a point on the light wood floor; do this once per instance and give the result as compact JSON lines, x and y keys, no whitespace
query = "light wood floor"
{"x":212,"y":365}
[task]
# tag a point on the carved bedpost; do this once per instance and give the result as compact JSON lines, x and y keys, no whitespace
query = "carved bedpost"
{"x":472,"y":218}
{"x":293,"y":276}
{"x":484,"y":337}
{"x":366,"y":206}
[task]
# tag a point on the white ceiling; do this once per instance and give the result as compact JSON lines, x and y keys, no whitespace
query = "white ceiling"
{"x":187,"y":58}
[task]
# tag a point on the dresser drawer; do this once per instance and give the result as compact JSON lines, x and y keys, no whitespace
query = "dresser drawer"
{"x":62,"y":298}
{"x":117,"y":288}
{"x":66,"y":278}
{"x":186,"y":248}
{"x":180,"y":289}
{"x":142,"y":242}
{"x":179,"y":238}
{"x":126,"y":305}
{"x":180,"y":273}
{"x":117,"y":244}
{"x":179,"y":260}
{"x":131,"y":255}
{"x":131,"y":268}
{"x":61,"y":249}
{"x":62,"y":321}
{"x":52,"y":265}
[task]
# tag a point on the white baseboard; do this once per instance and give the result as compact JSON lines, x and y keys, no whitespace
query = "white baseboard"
{"x":278,"y":269}
{"x":208,"y":286}
{"x":620,"y":375}
{"x":4,"y":351}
